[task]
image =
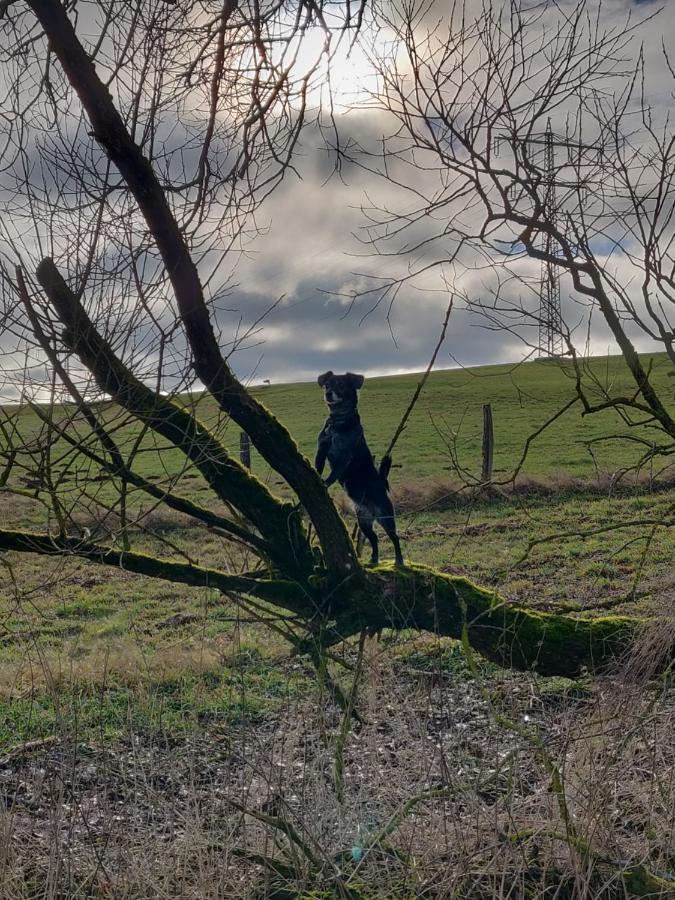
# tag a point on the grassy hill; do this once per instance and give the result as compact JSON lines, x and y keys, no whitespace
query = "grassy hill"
{"x":72,"y":607}
{"x":151,"y":702}
{"x":522,"y":399}
{"x":449,"y":414}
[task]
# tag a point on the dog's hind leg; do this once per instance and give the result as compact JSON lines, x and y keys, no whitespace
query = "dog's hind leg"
{"x":388,"y":523}
{"x":365,"y":521}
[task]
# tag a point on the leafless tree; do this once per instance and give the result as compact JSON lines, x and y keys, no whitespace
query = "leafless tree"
{"x":538,"y":157}
{"x":140,"y":138}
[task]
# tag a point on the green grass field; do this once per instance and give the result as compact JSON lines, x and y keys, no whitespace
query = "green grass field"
{"x":448,"y":413}
{"x":522,"y":398}
{"x":71,"y":624}
{"x":149,"y":701}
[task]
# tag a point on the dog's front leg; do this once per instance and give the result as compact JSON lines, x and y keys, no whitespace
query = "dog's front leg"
{"x":323,"y":444}
{"x":337,"y":473}
{"x":320,"y":460}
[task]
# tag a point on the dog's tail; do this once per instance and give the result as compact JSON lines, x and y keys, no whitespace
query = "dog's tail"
{"x":385,"y":469}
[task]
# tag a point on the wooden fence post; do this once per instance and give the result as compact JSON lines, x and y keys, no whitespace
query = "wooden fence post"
{"x":245,"y":449}
{"x":488,"y":443}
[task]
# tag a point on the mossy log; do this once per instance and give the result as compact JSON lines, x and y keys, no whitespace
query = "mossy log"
{"x":506,"y":633}
{"x":398,"y":597}
{"x":640,"y":882}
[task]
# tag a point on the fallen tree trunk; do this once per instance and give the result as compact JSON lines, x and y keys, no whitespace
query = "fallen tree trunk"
{"x":395,"y":597}
{"x":508,"y":634}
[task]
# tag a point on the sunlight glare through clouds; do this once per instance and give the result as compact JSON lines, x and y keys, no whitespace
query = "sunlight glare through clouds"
{"x":346,"y":69}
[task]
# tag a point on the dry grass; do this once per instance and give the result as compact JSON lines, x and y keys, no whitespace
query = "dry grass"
{"x":160,"y":816}
{"x":448,"y":493}
{"x":120,"y":662}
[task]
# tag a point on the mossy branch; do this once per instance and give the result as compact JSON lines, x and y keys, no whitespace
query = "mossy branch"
{"x":286,"y":594}
{"x":394,"y":597}
{"x":279,"y":522}
{"x":510,"y":635}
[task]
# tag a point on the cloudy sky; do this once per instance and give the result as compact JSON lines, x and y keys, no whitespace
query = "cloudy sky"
{"x":310,"y":256}
{"x":293,"y":283}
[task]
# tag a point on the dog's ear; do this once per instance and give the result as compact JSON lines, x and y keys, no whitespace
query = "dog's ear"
{"x":356,"y":381}
{"x":322,"y":379}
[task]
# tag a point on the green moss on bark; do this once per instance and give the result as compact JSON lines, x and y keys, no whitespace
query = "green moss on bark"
{"x":512,"y":636}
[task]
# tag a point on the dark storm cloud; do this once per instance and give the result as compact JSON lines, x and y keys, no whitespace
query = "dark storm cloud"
{"x":309,"y":332}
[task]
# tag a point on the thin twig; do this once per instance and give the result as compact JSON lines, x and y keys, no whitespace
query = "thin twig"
{"x":418,"y":389}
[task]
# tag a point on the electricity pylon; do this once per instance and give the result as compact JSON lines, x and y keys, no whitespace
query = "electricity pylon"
{"x":550,"y":313}
{"x":550,"y":339}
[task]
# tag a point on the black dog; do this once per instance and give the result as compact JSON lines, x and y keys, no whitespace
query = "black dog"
{"x":343,"y":443}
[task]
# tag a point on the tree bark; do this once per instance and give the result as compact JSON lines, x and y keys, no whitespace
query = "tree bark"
{"x":271,"y":439}
{"x":392,"y":597}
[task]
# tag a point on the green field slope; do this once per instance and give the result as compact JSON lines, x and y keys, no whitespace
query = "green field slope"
{"x":69,"y":630}
{"x":522,"y":399}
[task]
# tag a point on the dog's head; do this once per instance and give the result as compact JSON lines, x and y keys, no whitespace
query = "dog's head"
{"x":340,"y":390}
